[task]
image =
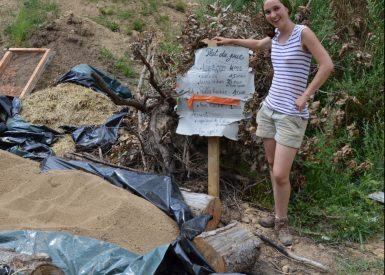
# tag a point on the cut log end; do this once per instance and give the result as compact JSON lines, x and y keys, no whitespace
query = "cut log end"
{"x":47,"y":269}
{"x":229,"y":249}
{"x":214,"y":208}
{"x":201,"y":204}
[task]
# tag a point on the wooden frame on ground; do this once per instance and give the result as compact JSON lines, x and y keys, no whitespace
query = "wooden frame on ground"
{"x":43,"y":62}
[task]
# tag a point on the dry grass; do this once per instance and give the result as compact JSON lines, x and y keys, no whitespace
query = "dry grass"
{"x":67,"y":104}
{"x":64,"y":145}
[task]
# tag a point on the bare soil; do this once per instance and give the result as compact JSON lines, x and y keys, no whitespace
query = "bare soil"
{"x":76,"y":39}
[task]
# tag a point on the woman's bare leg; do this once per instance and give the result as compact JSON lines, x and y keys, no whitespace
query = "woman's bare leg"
{"x":283,"y":160}
{"x":269,"y":144}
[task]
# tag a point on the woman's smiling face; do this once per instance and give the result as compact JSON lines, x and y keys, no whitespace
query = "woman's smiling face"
{"x":275,"y":12}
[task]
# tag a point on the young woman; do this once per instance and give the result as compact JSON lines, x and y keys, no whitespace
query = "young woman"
{"x":283,"y":116}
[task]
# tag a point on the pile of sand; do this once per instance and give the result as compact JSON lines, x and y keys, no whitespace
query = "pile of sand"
{"x":78,"y":203}
{"x":67,"y":104}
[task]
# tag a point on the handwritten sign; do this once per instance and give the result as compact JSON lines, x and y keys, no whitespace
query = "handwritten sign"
{"x":218,"y":72}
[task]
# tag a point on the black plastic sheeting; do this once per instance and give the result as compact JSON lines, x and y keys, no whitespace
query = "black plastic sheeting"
{"x":33,"y":141}
{"x":81,"y":255}
{"x":163,"y":193}
{"x":21,"y":138}
{"x":88,"y":138}
{"x":81,"y":74}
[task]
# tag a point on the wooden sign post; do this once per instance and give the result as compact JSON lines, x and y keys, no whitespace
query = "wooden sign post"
{"x":213,"y":166}
{"x":213,"y":94}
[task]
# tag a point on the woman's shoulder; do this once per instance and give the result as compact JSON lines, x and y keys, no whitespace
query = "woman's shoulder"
{"x":304,"y":30}
{"x":302,"y":27}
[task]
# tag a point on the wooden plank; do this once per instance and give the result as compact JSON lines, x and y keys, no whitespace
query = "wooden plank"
{"x":36,"y":73}
{"x":5,"y":61}
{"x":213,"y":166}
{"x":40,"y":50}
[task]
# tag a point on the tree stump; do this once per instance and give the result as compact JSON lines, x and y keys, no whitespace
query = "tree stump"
{"x":229,"y":249}
{"x":201,"y":204}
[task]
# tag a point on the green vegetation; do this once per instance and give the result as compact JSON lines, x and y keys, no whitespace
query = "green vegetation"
{"x":149,"y":7}
{"x":170,"y":47}
{"x":334,"y":204}
{"x":164,"y":20}
{"x":122,"y":65}
{"x":106,"y":22}
{"x":32,"y":13}
{"x":237,"y":5}
{"x":180,"y":6}
{"x":359,"y":266}
{"x":200,"y":14}
{"x":138,"y":25}
{"x":126,"y":20}
{"x":126,"y":14}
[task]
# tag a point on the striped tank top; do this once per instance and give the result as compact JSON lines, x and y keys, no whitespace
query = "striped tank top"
{"x":291,"y":66}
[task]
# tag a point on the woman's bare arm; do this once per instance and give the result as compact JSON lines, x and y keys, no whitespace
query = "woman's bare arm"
{"x":311,"y":43}
{"x":252,"y":44}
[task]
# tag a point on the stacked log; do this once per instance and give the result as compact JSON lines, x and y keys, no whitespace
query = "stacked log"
{"x":232,"y":248}
{"x":201,"y":204}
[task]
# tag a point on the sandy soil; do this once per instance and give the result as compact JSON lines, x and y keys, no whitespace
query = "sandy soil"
{"x":78,"y":203}
{"x":83,"y":204}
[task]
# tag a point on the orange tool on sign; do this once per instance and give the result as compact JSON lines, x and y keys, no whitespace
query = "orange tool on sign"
{"x":213,"y":99}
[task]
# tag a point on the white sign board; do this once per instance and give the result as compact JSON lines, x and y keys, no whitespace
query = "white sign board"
{"x":218,"y":75}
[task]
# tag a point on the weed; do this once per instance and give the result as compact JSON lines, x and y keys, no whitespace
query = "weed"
{"x":148,"y":7}
{"x":181,"y":6}
{"x":334,"y":202}
{"x":106,"y":11}
{"x":359,"y":266}
{"x":104,"y":21}
{"x":126,"y":14}
{"x":138,"y":25}
{"x":170,"y":47}
{"x":237,"y":5}
{"x":106,"y":54}
{"x":122,"y":64}
{"x":127,"y":29}
{"x":164,"y":19}
{"x":200,"y":14}
{"x":373,"y":149}
{"x":33,"y":13}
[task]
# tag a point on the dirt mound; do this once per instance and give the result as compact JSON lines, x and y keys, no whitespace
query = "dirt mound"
{"x":67,"y":104}
{"x":78,"y":203}
{"x":75,"y":40}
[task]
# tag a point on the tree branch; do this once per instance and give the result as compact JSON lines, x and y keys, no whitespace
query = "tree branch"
{"x":290,"y":254}
{"x":152,"y":80}
{"x":117,"y":99}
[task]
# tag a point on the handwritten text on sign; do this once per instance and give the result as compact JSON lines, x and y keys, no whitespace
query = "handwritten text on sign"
{"x":220,"y":72}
